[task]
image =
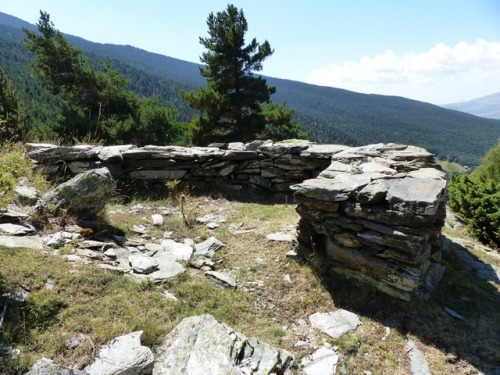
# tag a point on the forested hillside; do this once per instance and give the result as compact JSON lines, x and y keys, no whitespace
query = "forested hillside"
{"x":334,"y":115}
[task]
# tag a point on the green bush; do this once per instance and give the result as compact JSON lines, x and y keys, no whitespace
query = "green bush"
{"x":476,"y":197}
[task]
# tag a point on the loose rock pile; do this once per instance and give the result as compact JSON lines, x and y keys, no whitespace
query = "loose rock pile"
{"x":262,"y":164}
{"x":376,"y":213}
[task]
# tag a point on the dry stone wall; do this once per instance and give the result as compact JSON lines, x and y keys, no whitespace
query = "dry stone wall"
{"x":374,"y":212}
{"x":262,"y":164}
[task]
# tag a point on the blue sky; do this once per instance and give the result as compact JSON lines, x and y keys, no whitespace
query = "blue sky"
{"x":439,"y":51}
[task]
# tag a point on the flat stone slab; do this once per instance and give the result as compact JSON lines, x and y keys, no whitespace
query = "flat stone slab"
{"x":322,"y":362}
{"x":322,"y":151}
{"x":336,"y":323}
{"x":280,"y":236}
{"x":336,"y":189}
{"x":208,"y":247}
{"x":418,"y":363}
{"x":27,"y":242}
{"x":224,"y":278}
{"x":417,"y":195}
{"x":17,"y":229}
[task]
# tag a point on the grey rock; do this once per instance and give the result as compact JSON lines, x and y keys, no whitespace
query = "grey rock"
{"x":239,"y":155}
{"x":55,"y":154}
{"x":85,"y":194}
{"x":236,"y":146}
{"x":83,"y":166}
{"x":157,"y":219}
{"x":208,"y":247}
{"x":88,"y":254}
{"x":139,"y":228}
{"x":213,"y":226}
{"x":375,"y":168}
{"x":92,"y":244}
{"x":45,"y":366}
{"x":224,"y":278}
{"x":10,"y":216}
{"x":26,"y":242}
{"x":322,"y":362}
{"x":432,"y":173}
{"x":418,"y":363}
{"x":336,"y":323}
{"x":430,"y":281}
{"x":340,"y":188}
{"x":114,"y":153}
{"x":348,"y":239}
{"x":166,"y":270}
{"x":228,"y":170}
{"x":374,"y":192}
{"x":26,"y":195}
{"x":254,"y":146}
{"x":110,"y":253}
{"x":201,"y":345}
{"x":281,"y":148}
{"x":58,"y":239}
{"x":142,"y":263}
{"x":169,"y":295}
{"x":179,"y":250}
{"x":280,"y":236}
{"x":123,"y":355}
{"x":421,"y":196}
{"x":453,"y":314}
{"x":199,"y":262}
{"x":322,"y":151}
{"x":17,"y":229}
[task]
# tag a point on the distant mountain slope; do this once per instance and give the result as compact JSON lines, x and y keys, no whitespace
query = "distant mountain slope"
{"x":334,"y":115}
{"x":486,"y":106}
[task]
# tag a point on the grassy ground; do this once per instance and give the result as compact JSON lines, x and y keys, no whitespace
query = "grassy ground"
{"x":274,"y":293}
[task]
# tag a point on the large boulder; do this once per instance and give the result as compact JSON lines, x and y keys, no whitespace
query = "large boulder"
{"x":201,"y":345}
{"x":85,"y":194}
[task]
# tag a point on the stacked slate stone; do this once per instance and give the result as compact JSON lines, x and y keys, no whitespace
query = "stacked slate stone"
{"x":262,"y":164}
{"x":376,"y":214}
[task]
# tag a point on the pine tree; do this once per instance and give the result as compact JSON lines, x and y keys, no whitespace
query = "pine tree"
{"x":233,"y":99}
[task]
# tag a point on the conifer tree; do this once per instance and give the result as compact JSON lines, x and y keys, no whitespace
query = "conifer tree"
{"x":96,"y":103}
{"x":233,"y":99}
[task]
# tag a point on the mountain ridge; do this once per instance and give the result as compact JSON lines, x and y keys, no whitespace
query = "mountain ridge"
{"x":485,"y":106}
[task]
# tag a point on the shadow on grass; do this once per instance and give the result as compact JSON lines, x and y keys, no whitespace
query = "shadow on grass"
{"x":475,"y":340}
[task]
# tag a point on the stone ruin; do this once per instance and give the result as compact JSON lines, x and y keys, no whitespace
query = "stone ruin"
{"x":374,"y":212}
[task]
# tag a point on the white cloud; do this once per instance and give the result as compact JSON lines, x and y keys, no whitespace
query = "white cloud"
{"x":441,"y":75}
